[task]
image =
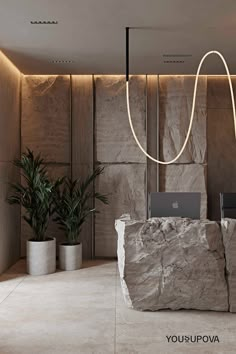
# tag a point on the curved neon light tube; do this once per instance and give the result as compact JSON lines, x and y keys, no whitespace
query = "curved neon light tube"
{"x":192,"y":111}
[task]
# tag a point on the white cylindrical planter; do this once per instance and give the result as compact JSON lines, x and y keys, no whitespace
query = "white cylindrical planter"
{"x":41,"y":257}
{"x":70,"y":257}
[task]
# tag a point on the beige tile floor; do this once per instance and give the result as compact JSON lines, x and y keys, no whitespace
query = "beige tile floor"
{"x":84,"y":312}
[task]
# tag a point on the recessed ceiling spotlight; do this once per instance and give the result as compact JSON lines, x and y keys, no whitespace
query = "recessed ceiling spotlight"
{"x":61,"y":61}
{"x":44,"y":22}
{"x":173,"y":61}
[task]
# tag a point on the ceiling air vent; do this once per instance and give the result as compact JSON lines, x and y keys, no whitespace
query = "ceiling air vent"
{"x":62,"y":61}
{"x":177,"y":55}
{"x":44,"y":22}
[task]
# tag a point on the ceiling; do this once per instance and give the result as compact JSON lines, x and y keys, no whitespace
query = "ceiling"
{"x":91,"y":34}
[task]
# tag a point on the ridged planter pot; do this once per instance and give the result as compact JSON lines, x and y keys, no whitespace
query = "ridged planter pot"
{"x":70,"y":256}
{"x":41,"y":257}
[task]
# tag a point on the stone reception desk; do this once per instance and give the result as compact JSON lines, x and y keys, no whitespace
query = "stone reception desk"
{"x":177,"y":263}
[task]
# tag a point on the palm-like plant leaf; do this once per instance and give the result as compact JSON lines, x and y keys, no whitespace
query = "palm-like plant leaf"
{"x":73,"y":204}
{"x":35,"y":193}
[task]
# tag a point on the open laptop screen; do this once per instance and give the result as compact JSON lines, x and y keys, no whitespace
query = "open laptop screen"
{"x":182,"y":204}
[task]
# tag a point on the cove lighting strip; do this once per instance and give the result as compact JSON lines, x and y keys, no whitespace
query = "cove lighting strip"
{"x":193,"y":102}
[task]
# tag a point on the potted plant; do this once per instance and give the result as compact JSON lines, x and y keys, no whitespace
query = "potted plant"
{"x":35,"y":195}
{"x":72,"y":206}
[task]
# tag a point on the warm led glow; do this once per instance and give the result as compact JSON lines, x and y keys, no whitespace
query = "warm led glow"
{"x":8,"y":62}
{"x":192,"y":111}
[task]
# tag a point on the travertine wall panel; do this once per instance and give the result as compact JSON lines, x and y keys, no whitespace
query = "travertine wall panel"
{"x":46,"y":129}
{"x":83,"y":144}
{"x":218,"y":92}
{"x":124,"y":178}
{"x":82,"y":119}
{"x":114,"y":140}
{"x":176,"y":94}
{"x":99,"y":133}
{"x":45,"y":126}
{"x":221,"y":171}
{"x":125,"y":186}
{"x":152,"y":132}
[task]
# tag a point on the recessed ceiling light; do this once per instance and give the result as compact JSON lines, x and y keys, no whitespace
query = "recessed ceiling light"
{"x":61,"y":61}
{"x":44,"y":22}
{"x":173,"y":61}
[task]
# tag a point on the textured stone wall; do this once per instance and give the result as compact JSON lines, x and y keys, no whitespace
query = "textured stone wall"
{"x":124,"y":179}
{"x":80,"y":122}
{"x":188,"y":174}
{"x":9,"y":149}
{"x":221,"y":176}
{"x":46,"y":129}
{"x":176,"y":94}
{"x":64,"y":135}
{"x":82,"y":142}
{"x":45,"y":117}
{"x":57,"y":121}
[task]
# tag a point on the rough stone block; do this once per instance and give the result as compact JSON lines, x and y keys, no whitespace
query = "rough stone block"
{"x":229,"y":238}
{"x":172,"y":263}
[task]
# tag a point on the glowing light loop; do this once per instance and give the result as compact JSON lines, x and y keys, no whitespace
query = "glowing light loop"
{"x":192,"y":110}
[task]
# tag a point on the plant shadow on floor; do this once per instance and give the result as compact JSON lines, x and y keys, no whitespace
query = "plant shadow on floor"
{"x":89,"y":263}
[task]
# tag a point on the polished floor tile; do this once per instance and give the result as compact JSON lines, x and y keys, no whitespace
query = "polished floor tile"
{"x":84,"y":312}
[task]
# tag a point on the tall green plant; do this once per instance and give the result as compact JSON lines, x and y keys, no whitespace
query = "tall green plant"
{"x":35,"y":193}
{"x":72,"y":204}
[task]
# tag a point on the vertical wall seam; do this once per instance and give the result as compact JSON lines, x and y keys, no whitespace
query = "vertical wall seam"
{"x":206,"y":170}
{"x":20,"y":148}
{"x":71,"y":128}
{"x":93,"y":162}
{"x":152,"y":134}
{"x":146,"y":127}
{"x":20,"y":113}
{"x":158,"y":132}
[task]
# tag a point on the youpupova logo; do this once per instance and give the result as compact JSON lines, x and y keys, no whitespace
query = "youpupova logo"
{"x":193,"y":339}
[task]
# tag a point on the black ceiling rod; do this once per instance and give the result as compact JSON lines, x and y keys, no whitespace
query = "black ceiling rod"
{"x":127,"y":52}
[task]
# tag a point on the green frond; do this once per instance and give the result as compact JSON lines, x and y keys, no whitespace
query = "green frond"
{"x":35,"y":193}
{"x":72,"y":204}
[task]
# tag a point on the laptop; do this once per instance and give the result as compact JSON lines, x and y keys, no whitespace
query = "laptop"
{"x":228,"y":205}
{"x":165,"y":204}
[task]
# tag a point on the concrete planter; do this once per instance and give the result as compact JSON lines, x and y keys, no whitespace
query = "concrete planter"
{"x":41,"y":257}
{"x":70,"y":256}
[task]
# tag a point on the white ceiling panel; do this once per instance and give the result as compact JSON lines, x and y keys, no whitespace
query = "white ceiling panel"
{"x":90,"y":34}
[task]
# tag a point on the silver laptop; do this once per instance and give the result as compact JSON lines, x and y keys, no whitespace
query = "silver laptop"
{"x":165,"y":204}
